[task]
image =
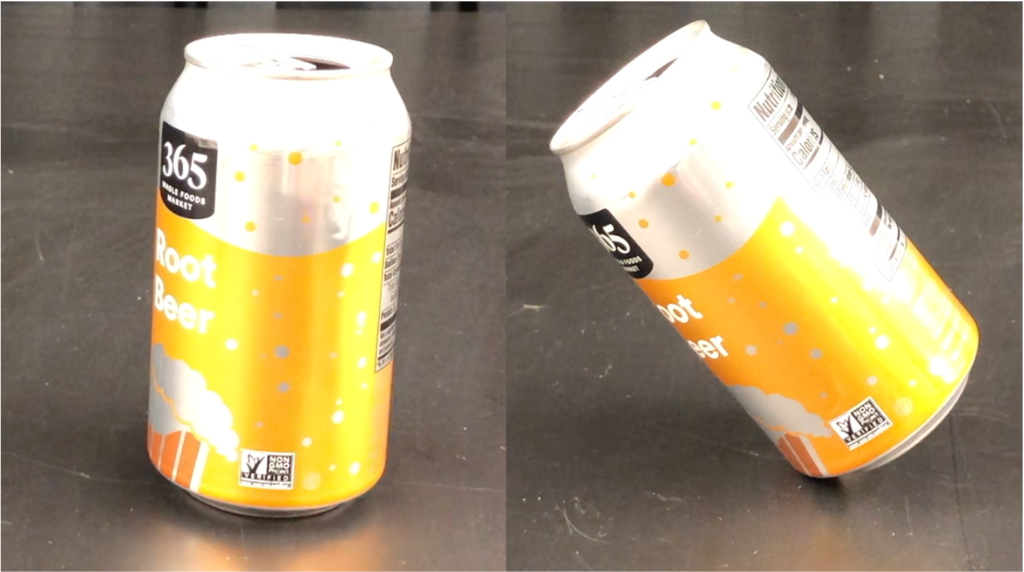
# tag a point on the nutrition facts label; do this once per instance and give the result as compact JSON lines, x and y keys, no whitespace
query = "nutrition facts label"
{"x":818,"y":160}
{"x":392,"y":255}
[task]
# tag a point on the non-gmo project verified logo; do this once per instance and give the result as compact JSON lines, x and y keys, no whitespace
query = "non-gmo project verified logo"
{"x":266,"y":470}
{"x":860,"y":424}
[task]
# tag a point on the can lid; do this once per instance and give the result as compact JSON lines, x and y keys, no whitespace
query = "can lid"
{"x":624,"y":91}
{"x":288,"y":56}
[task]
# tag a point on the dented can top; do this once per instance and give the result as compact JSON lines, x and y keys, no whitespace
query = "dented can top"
{"x":288,"y":56}
{"x":628,"y":89}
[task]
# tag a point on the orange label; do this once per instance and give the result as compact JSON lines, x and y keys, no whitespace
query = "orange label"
{"x":837,"y":371}
{"x":263,"y":384}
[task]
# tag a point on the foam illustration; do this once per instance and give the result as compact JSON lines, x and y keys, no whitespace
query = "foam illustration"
{"x":183,"y":394}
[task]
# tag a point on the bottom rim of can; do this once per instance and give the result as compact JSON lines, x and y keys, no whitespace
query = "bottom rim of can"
{"x":270,"y":512}
{"x":919,"y":435}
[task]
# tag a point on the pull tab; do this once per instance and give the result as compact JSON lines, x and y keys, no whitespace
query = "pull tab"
{"x":266,"y":60}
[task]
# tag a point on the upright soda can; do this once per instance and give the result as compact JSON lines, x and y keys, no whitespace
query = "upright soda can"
{"x":702,"y":174}
{"x":279,"y":213}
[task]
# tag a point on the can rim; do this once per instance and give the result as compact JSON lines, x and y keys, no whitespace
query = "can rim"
{"x":575,"y":132}
{"x":288,"y":56}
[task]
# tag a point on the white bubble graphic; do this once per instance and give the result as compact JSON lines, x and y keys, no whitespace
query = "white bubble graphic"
{"x":816,"y":353}
{"x":354,"y":468}
{"x":787,"y":228}
{"x":312,"y":481}
{"x":762,"y":304}
{"x":882,"y":342}
{"x":940,"y":366}
{"x":338,"y":417}
{"x":255,"y":292}
{"x":376,"y":258}
{"x":834,"y":300}
{"x":347,"y":269}
{"x":306,"y":441}
{"x":752,"y":350}
{"x":872,"y":380}
{"x":231,"y":344}
{"x":913,"y":382}
{"x":337,"y":401}
{"x":361,"y":363}
{"x":904,"y":406}
{"x":799,"y":250}
{"x":259,"y":424}
{"x":790,"y":328}
{"x":281,"y":351}
{"x":778,"y":414}
{"x":333,"y":355}
{"x":331,"y":468}
{"x":341,"y":293}
{"x":732,"y":300}
{"x":283,"y":386}
{"x":737,"y":277}
{"x":361,"y":319}
{"x":194,"y":407}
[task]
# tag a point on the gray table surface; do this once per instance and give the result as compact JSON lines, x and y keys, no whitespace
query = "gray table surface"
{"x":82,"y":90}
{"x":624,"y":452}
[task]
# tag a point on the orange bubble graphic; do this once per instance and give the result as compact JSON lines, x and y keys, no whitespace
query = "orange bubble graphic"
{"x":295,"y":158}
{"x":250,"y":226}
{"x":684,"y":254}
{"x":374,"y":207}
{"x":239,"y":176}
{"x":668,"y":180}
{"x":644,"y":223}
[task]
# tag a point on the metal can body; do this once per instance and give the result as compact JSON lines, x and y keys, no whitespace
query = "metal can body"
{"x":702,"y":174}
{"x":280,"y":203}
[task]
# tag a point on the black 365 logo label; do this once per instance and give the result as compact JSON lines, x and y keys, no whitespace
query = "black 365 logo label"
{"x":188,"y":173}
{"x":607,"y":230}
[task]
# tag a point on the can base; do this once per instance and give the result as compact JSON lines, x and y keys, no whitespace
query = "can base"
{"x":264,"y":512}
{"x":909,"y":442}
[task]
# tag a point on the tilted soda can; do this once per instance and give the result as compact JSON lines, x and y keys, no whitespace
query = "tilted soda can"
{"x":280,"y":205}
{"x":702,"y":174}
